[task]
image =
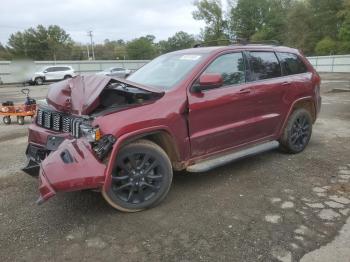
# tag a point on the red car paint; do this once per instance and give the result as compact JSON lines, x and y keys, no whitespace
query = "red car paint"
{"x":199,"y":125}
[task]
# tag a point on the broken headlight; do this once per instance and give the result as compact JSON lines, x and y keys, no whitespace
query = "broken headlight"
{"x":103,"y":146}
{"x":92,"y":134}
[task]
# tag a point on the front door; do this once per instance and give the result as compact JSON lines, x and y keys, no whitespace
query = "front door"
{"x":223,"y":117}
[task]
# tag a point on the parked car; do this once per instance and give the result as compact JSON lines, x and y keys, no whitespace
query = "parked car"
{"x":51,"y":74}
{"x":116,"y":72}
{"x":192,"y":110}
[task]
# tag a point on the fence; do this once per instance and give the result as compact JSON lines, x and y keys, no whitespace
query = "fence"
{"x":11,"y":72}
{"x":18,"y":71}
{"x":332,"y":64}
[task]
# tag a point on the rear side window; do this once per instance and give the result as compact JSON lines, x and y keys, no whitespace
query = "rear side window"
{"x":264,"y":65}
{"x":230,"y":66}
{"x":291,"y":64}
{"x":62,"y":69}
{"x":50,"y":69}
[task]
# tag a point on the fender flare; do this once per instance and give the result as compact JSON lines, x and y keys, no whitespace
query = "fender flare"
{"x":290,"y":111}
{"x":129,"y":137}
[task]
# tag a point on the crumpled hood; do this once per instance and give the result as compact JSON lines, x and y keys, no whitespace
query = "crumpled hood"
{"x":79,"y":95}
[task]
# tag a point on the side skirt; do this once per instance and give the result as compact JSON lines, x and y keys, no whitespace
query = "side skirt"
{"x":214,"y":162}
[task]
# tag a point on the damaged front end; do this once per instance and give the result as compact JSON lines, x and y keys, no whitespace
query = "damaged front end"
{"x":66,"y":143}
{"x":75,"y":165}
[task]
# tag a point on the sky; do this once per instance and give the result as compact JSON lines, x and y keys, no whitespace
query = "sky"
{"x":112,"y":19}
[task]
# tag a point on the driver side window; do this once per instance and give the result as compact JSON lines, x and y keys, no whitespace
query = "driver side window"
{"x":230,"y":66}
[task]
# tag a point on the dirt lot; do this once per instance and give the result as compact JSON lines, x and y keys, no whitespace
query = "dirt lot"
{"x":271,"y":207}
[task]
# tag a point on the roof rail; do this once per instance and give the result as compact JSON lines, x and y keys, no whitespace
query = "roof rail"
{"x":239,"y":41}
{"x":201,"y":44}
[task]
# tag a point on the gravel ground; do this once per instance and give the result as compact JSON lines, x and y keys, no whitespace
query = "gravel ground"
{"x":270,"y":207}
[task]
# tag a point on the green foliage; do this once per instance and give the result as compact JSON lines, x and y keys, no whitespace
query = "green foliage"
{"x":299,"y":28}
{"x":141,"y":48}
{"x":247,"y":17}
{"x":111,"y":50}
{"x":326,"y":46}
{"x":212,"y":13}
{"x":180,"y":40}
{"x":41,"y":43}
{"x":4,"y":54}
{"x":325,"y":19}
{"x":314,"y":26}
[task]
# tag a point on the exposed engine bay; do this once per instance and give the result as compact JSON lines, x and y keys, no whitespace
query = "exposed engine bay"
{"x":119,"y":96}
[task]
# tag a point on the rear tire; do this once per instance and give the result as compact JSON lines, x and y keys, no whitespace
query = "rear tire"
{"x":141,"y":177}
{"x":20,"y":120}
{"x":6,"y":120}
{"x":297,"y":133}
{"x":39,"y":81}
{"x":67,"y":77}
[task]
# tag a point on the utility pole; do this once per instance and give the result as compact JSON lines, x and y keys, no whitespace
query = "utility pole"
{"x":88,"y":52}
{"x":92,"y":44}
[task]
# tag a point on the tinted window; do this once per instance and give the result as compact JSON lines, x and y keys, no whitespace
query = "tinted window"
{"x":291,"y":64}
{"x":230,"y":66}
{"x":264,"y":65}
{"x":50,"y":69}
{"x":117,"y":69}
{"x":62,"y":68}
{"x":57,"y":69}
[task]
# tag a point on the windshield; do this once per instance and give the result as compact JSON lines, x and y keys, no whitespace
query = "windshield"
{"x":166,"y":71}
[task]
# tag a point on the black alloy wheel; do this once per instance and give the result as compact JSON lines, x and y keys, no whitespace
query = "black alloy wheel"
{"x":298,"y":132}
{"x":141,"y":177}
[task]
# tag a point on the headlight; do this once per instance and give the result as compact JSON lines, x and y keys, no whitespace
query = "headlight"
{"x":92,"y":134}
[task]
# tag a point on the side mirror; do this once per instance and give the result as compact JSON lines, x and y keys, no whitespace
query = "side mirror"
{"x":45,"y":71}
{"x":207,"y":81}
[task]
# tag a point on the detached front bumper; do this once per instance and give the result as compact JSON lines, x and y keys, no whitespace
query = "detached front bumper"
{"x":41,"y":143}
{"x":45,"y":189}
{"x":73,"y":166}
{"x":35,"y":154}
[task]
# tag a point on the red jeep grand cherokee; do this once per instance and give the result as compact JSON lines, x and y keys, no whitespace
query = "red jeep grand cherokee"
{"x":193,"y":109}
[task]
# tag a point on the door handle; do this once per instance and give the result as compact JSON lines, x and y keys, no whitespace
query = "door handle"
{"x":245,"y":91}
{"x":287,"y":83}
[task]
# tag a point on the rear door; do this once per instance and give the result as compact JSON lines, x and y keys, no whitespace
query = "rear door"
{"x":50,"y":73}
{"x":271,"y":92}
{"x":222,"y":118}
{"x":295,"y":71}
{"x":61,"y":72}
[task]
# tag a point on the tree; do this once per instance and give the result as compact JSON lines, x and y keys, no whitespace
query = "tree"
{"x":299,"y":28}
{"x":325,"y":17}
{"x":41,"y":43}
{"x":212,"y":13}
{"x":259,"y":19}
{"x":326,"y":46}
{"x":180,"y":40}
{"x":247,"y":17}
{"x":4,"y":54}
{"x":141,"y":48}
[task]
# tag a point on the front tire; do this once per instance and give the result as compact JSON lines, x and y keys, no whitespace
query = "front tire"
{"x":297,"y":133}
{"x":39,"y":81}
{"x":6,"y":120}
{"x":141,"y":177}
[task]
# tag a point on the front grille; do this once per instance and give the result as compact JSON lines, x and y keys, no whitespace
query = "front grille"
{"x":58,"y":122}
